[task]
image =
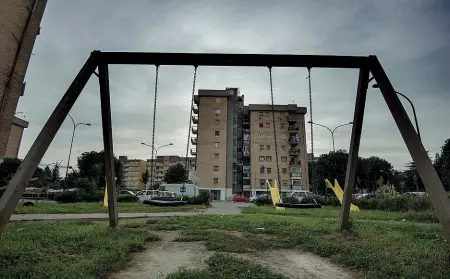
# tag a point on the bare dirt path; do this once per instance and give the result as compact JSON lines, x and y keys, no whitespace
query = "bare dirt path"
{"x":166,"y":256}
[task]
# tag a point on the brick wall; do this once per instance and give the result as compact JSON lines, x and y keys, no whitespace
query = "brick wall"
{"x":19,"y":25}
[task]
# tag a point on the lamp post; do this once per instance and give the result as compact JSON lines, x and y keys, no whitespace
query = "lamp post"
{"x":331,"y":131}
{"x":75,"y":125}
{"x":412,"y":106}
{"x":156,"y":156}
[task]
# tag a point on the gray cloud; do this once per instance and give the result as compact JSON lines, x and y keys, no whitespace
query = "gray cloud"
{"x":411,"y":39}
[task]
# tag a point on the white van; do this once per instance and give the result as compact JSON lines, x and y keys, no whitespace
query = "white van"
{"x":190,"y":190}
{"x":147,"y":195}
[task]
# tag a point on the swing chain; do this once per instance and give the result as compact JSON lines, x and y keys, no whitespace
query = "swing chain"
{"x":190,"y":121}
{"x":154,"y":122}
{"x":310,"y":112}
{"x":274,"y":127}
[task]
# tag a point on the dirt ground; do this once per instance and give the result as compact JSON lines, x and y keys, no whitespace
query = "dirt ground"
{"x":166,"y":256}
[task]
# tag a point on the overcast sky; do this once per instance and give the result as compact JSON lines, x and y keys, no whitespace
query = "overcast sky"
{"x":411,"y":39}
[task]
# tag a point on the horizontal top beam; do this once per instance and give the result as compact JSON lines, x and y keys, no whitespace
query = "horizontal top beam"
{"x":233,"y":60}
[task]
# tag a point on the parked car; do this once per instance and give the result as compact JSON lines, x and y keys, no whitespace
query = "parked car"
{"x":416,"y":194}
{"x":240,"y":198}
{"x":300,"y":194}
{"x":126,"y":192}
{"x":147,"y":195}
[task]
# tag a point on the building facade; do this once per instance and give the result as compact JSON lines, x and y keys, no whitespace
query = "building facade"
{"x":218,"y":141}
{"x":291,"y":142}
{"x":235,"y":148}
{"x":15,"y":137}
{"x":162,"y":164}
{"x":133,"y":169}
{"x":19,"y":25}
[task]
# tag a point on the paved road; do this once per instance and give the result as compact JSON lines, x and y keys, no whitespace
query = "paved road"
{"x":217,"y":208}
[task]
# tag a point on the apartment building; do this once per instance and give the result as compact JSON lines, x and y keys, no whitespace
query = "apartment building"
{"x":133,"y":169}
{"x":235,"y":148}
{"x":218,"y":141}
{"x":259,"y":147}
{"x":162,"y":164}
{"x":19,"y":25}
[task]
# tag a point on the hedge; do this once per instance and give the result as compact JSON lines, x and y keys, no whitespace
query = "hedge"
{"x":399,"y":203}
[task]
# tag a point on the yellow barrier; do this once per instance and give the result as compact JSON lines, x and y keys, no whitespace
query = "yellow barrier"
{"x":339,"y":193}
{"x":105,"y":198}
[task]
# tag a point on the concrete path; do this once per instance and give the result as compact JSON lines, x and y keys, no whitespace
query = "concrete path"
{"x":223,"y":208}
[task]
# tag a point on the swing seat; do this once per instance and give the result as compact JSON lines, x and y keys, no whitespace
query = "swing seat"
{"x":165,"y":203}
{"x":299,"y":205}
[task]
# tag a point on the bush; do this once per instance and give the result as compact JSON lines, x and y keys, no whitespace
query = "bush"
{"x":202,"y":198}
{"x":306,"y":200}
{"x":292,"y":200}
{"x":95,"y":196}
{"x":68,"y":197}
{"x":399,"y":203}
{"x":263,"y":200}
{"x":127,"y":198}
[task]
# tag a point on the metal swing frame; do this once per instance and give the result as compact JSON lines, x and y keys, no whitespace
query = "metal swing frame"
{"x":101,"y":60}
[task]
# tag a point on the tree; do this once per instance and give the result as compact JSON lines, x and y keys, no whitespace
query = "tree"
{"x":56,"y":176}
{"x":329,"y":166}
{"x":371,"y":169}
{"x":442,"y":164}
{"x":91,"y":165}
{"x":145,"y":177}
{"x":176,"y":174}
{"x":8,"y":168}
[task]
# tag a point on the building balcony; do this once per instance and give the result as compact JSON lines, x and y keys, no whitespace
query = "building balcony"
{"x":194,"y":130}
{"x":295,"y":176}
{"x":294,"y":152}
{"x":293,"y":140}
{"x":195,"y":109}
{"x":292,"y":118}
{"x":293,"y":129}
{"x":194,"y":141}
{"x":294,"y":162}
{"x":196,"y":99}
{"x":193,"y":151}
{"x":194,"y":119}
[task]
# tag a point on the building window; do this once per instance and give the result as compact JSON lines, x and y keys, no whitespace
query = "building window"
{"x":216,"y":168}
{"x":261,"y":169}
{"x":266,"y":114}
{"x":216,"y":145}
{"x":261,"y":135}
{"x":283,"y":159}
{"x":261,"y":114}
{"x":268,"y":136}
{"x":268,"y":158}
{"x":216,"y":156}
{"x":217,"y":100}
{"x":270,"y":182}
{"x":269,"y":170}
{"x":261,"y":158}
{"x":267,"y":125}
{"x":262,"y":182}
{"x":268,"y":147}
{"x":283,"y":147}
{"x":282,"y":125}
{"x":261,"y":125}
{"x":216,"y":181}
{"x":217,"y":121}
{"x":283,"y":136}
{"x":284,"y":183}
{"x":217,"y":111}
{"x":261,"y":147}
{"x":217,"y":133}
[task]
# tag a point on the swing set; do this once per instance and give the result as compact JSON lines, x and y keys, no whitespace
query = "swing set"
{"x":366,"y":64}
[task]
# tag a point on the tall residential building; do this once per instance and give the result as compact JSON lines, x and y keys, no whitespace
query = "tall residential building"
{"x":19,"y":26}
{"x":133,"y":169}
{"x":291,"y":143}
{"x":218,"y":142}
{"x":162,"y":164}
{"x":235,"y":146}
{"x":15,"y":137}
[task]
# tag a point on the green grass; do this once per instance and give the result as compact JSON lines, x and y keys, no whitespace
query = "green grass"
{"x":93,"y":207}
{"x":222,"y":266}
{"x":380,"y":250}
{"x":66,"y":250}
{"x":333,"y":212}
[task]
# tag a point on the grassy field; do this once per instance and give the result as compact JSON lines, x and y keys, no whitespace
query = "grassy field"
{"x":93,"y":207}
{"x":66,"y":250}
{"x":386,"y":250}
{"x":333,"y":212}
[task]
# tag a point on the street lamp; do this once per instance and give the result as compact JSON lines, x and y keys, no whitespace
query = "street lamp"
{"x":331,"y":131}
{"x":156,"y":156}
{"x":75,"y":125}
{"x":412,"y":105}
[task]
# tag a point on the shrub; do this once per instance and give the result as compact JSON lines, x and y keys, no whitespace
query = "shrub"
{"x":308,"y":200}
{"x":127,"y":198}
{"x":202,"y":198}
{"x":68,"y":197}
{"x":94,"y":196}
{"x":292,"y":200}
{"x":399,"y":203}
{"x":263,"y":200}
